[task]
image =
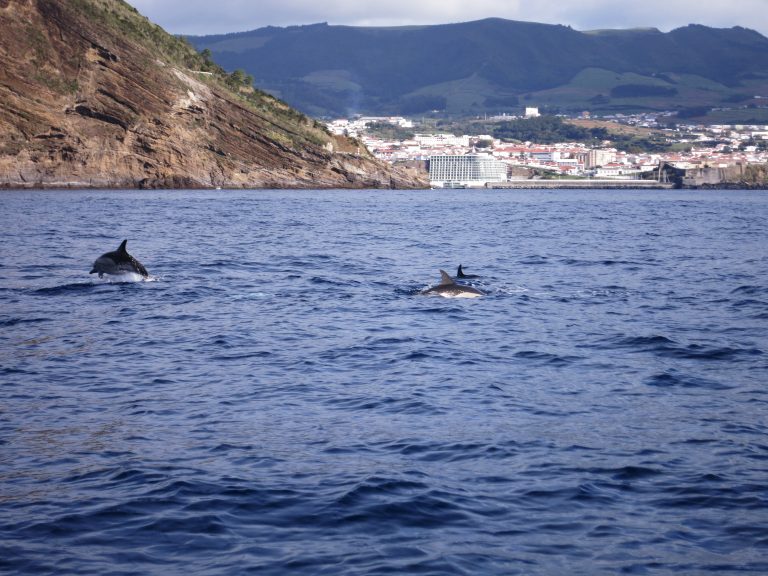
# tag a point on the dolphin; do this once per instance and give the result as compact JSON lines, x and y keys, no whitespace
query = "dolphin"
{"x":460,"y":274}
{"x":448,"y":288}
{"x":118,"y":262}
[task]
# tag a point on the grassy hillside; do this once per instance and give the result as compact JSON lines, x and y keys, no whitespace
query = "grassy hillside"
{"x":495,"y":64}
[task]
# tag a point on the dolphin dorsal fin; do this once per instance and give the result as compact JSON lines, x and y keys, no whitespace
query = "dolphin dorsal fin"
{"x":460,"y":272}
{"x":445,"y":279}
{"x":122,"y":247}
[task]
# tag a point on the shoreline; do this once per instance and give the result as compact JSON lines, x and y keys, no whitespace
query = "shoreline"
{"x":5,"y":187}
{"x":512,"y":185}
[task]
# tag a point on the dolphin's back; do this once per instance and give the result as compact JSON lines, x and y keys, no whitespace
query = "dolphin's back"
{"x":450,"y":289}
{"x":118,"y":261}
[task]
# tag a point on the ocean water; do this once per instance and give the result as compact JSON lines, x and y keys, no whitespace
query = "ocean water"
{"x":278,"y":398}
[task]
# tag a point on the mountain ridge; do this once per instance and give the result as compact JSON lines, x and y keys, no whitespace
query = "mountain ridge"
{"x":330,"y":70}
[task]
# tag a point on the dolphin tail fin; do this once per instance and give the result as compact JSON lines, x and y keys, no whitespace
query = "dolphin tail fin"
{"x":445,"y":279}
{"x":122,"y":248}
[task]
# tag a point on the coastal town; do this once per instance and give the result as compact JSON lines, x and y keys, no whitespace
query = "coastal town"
{"x":702,"y":152}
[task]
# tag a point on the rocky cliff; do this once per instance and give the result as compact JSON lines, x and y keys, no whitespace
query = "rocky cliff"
{"x":92,"y":94}
{"x":738,"y":177}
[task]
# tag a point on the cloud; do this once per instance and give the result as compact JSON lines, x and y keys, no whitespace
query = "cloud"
{"x":668,"y":14}
{"x":220,"y":16}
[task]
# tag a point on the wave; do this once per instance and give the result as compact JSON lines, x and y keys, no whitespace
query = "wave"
{"x":535,"y":260}
{"x":397,"y":501}
{"x":668,"y":348}
{"x":7,"y":323}
{"x":701,"y":352}
{"x":84,"y":287}
{"x":606,"y":262}
{"x":242,"y":356}
{"x":387,"y":405}
{"x":64,"y":289}
{"x":709,"y":494}
{"x":673,"y":379}
{"x":751,"y":290}
{"x":436,"y":451}
{"x":547,"y":358}
{"x":321,"y":281}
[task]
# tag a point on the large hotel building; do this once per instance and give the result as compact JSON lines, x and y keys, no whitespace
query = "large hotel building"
{"x":465,"y":171}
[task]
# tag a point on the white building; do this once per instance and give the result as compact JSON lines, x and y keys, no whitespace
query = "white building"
{"x":531,"y":112}
{"x":617,"y":172}
{"x":394,"y":120}
{"x":468,"y":170}
{"x":440,"y":139}
{"x":545,"y":155}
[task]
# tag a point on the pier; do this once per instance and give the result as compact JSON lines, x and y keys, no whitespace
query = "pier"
{"x":583,"y":184}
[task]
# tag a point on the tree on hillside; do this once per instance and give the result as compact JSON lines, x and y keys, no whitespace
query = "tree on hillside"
{"x":239,"y":78}
{"x":548,"y":130}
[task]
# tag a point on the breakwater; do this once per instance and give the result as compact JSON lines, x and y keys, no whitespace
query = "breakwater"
{"x":586,"y":184}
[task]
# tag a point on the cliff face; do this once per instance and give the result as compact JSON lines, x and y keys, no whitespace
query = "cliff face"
{"x":741,"y":176}
{"x":94,"y":95}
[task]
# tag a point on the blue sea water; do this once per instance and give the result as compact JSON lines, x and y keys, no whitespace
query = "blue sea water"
{"x":279,"y":399}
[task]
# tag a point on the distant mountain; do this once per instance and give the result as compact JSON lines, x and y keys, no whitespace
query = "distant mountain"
{"x":93,"y":94}
{"x":496,"y":65}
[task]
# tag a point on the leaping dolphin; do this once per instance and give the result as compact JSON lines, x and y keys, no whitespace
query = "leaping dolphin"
{"x":448,"y":288}
{"x":118,"y":262}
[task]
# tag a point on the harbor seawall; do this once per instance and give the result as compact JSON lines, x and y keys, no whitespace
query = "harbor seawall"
{"x":584,"y":184}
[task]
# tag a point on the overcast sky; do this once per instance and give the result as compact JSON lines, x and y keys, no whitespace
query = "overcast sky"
{"x":221,"y":16}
